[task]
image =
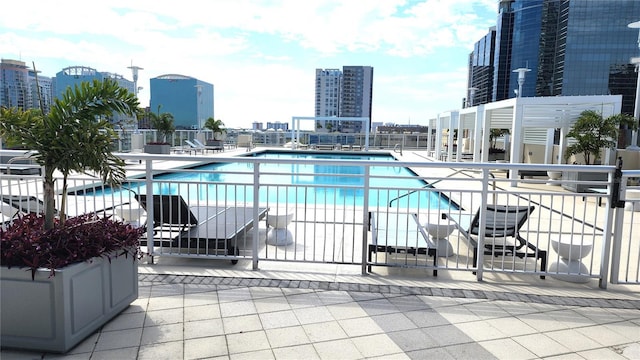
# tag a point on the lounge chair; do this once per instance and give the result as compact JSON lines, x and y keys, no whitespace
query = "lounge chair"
{"x":24,"y":204}
{"x":171,"y":215}
{"x":213,"y":231}
{"x":7,"y":213}
{"x":218,"y":147}
{"x":12,"y":206}
{"x":500,"y":222}
{"x":394,"y":233}
{"x":195,"y":147}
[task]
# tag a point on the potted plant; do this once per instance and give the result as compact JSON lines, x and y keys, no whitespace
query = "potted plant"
{"x":592,"y":133}
{"x":217,"y":126}
{"x":82,"y":271}
{"x":163,"y":123}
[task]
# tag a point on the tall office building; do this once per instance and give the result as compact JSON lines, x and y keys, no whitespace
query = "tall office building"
{"x":346,"y":93}
{"x":73,"y":76}
{"x":14,"y":91}
{"x":188,"y":99}
{"x":481,"y":70}
{"x":572,"y":47}
{"x":18,"y":86}
{"x":328,"y":90}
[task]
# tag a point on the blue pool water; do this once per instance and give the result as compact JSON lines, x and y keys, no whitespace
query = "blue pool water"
{"x":327,"y":183}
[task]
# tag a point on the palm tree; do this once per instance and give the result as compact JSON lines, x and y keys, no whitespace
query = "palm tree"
{"x":592,"y":133}
{"x":163,"y":123}
{"x":494,"y":134}
{"x":217,"y":126}
{"x":73,"y":137}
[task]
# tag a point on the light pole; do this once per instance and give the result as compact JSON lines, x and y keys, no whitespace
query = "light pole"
{"x":134,"y":73}
{"x":636,"y":111}
{"x":521,"y":72}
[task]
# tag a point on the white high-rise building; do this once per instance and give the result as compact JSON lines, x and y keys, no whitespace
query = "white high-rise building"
{"x":345,"y":93}
{"x":328,"y":91}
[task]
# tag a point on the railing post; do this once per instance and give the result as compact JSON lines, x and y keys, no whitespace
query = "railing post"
{"x":607,"y":233}
{"x":256,"y":213}
{"x":149,"y":185}
{"x":365,"y":218}
{"x":614,"y":199}
{"x":483,"y":222}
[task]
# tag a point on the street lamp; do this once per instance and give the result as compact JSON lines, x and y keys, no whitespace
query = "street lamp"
{"x":521,"y":72}
{"x":134,"y":73}
{"x":636,"y":111}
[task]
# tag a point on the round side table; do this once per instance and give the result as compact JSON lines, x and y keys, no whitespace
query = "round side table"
{"x":633,"y":199}
{"x":570,"y":263}
{"x":439,"y":229}
{"x":130,"y":213}
{"x":278,"y":220}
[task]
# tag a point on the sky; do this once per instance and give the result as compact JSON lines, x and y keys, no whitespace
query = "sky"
{"x":261,"y":55}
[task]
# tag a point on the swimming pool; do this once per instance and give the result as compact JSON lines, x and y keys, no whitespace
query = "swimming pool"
{"x":323,"y":181}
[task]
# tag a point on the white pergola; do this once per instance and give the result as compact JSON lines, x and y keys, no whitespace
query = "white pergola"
{"x":295,"y":126}
{"x":530,"y":120}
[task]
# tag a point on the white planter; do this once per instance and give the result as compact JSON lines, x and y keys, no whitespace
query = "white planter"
{"x":137,"y":142}
{"x":56,"y":313}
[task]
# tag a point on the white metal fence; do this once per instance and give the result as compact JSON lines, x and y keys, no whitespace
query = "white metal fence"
{"x":368,"y":219}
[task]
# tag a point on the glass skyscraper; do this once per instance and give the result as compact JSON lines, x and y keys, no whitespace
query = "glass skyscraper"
{"x":572,"y":47}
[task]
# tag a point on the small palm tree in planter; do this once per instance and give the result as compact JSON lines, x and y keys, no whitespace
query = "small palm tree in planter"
{"x":496,"y":153}
{"x":217,"y":126}
{"x":593,"y":133}
{"x":81,"y":271}
{"x":163,"y":123}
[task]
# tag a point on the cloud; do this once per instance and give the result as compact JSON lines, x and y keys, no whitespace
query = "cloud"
{"x":262,"y":53}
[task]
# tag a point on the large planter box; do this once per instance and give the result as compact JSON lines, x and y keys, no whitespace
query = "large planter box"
{"x":583,"y":176}
{"x":496,"y":156}
{"x":157,"y":148}
{"x":56,"y":313}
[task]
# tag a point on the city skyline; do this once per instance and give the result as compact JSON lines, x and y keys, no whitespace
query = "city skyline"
{"x":264,"y":55}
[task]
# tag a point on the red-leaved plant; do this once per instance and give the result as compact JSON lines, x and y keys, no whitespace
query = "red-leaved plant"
{"x":25,"y":242}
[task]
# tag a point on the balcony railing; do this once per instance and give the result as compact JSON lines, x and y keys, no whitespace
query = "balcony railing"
{"x":250,"y":213}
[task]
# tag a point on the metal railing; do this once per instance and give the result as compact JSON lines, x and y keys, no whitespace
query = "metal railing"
{"x":263,"y":218}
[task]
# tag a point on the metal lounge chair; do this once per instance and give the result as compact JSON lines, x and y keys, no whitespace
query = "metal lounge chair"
{"x":12,"y":206}
{"x":171,"y":217}
{"x":398,"y":233}
{"x":195,"y":147}
{"x":24,"y":204}
{"x":213,"y":231}
{"x":219,"y":147}
{"x":501,"y":221}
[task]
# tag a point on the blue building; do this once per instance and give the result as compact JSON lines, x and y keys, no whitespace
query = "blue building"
{"x":73,"y":76}
{"x":188,"y":99}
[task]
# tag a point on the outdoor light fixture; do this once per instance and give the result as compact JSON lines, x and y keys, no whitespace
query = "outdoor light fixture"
{"x":521,"y":72}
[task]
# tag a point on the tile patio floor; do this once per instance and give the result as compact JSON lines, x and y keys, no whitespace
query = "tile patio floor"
{"x":218,"y":317}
